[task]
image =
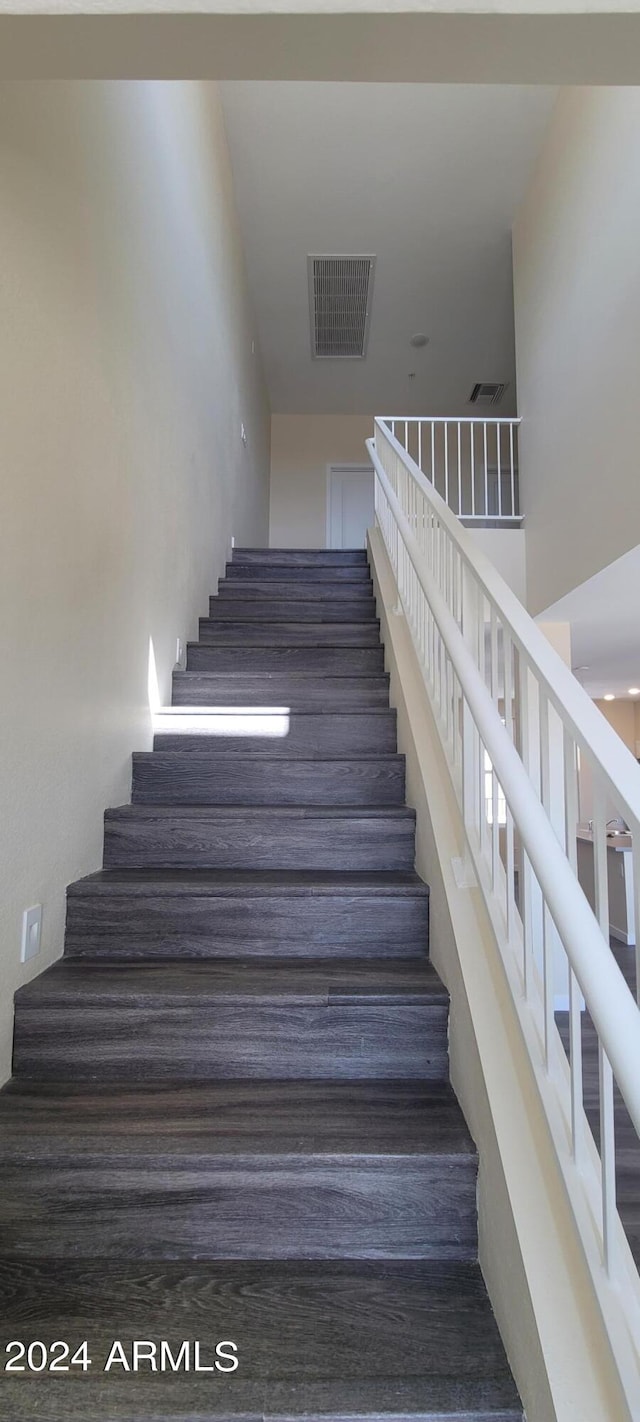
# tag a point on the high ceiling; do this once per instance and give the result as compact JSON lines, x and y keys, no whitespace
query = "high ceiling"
{"x":426,"y":177}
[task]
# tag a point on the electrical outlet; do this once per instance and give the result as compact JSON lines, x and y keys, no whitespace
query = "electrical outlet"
{"x":31,"y":933}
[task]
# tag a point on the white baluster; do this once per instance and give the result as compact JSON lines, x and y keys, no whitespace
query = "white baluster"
{"x":460,"y":510}
{"x":512,"y":471}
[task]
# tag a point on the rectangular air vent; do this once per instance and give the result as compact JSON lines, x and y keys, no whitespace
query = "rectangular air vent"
{"x":340,"y":306}
{"x":484,"y":394}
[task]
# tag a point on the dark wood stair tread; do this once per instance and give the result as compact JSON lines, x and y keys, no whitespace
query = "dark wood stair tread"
{"x":308,"y":590}
{"x":257,"y":813}
{"x":286,"y":659}
{"x":257,"y":778}
{"x":304,"y":734}
{"x":132,"y":913}
{"x":277,"y":608}
{"x":331,"y":1340}
{"x":254,"y":883}
{"x":289,"y":982}
{"x":197,"y":1122}
{"x":291,"y":690}
{"x":295,"y":556}
{"x":270,"y":681}
{"x":240,"y":633}
{"x":349,"y":574}
{"x":259,"y":837}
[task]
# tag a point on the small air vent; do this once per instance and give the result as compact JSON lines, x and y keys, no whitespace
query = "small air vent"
{"x":340,"y":304}
{"x":483,"y":394}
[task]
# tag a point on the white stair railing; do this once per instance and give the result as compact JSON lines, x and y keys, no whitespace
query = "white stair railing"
{"x":518,"y":730}
{"x":472,"y":462}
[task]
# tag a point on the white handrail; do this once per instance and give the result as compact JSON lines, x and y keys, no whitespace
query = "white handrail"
{"x":447,"y":419}
{"x":519,"y":733}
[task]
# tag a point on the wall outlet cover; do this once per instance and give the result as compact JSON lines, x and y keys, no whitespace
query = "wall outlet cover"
{"x":31,"y":933}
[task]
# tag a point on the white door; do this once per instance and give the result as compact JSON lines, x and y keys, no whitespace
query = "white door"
{"x":350,"y":510}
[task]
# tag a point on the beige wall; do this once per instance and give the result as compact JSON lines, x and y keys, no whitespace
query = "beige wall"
{"x":624,"y":716}
{"x":301,"y":448}
{"x":577,"y":299}
{"x":125,"y":370}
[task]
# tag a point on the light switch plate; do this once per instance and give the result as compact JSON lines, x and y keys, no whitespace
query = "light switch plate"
{"x":31,"y":932}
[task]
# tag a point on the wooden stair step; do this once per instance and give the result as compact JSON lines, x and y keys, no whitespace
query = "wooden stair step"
{"x":172,"y":778}
{"x":307,"y":590}
{"x":265,"y":570}
{"x":372,"y":1341}
{"x":294,"y":691}
{"x":209,"y":913}
{"x":207,"y":1020}
{"x":237,"y":1170}
{"x":288,"y":634}
{"x":258,"y":837}
{"x":303,"y":733}
{"x":317,"y":983}
{"x":302,"y":557}
{"x":226,"y":1120}
{"x":318,"y":661}
{"x":274,"y":609}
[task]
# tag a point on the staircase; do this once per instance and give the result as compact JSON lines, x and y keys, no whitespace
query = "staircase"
{"x":230,"y":1117}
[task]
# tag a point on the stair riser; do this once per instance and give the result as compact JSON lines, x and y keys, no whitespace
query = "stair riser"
{"x":164,"y":779}
{"x":310,"y":1209}
{"x":332,"y":661}
{"x":347,"y":844}
{"x":317,"y":573}
{"x":269,"y":610}
{"x":289,"y":634}
{"x":239,"y":590}
{"x":302,"y":557}
{"x":231,"y":1041}
{"x":297,"y":693}
{"x":358,"y":733}
{"x":314,"y":926}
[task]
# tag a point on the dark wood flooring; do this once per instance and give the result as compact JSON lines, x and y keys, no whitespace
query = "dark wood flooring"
{"x":230,"y":1116}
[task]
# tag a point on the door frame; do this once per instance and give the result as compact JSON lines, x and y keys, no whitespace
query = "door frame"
{"x":340,"y":467}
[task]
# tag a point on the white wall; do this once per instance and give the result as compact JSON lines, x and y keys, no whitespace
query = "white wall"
{"x":506,"y":548}
{"x":301,"y":448}
{"x":125,"y":370}
{"x":577,"y":308}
